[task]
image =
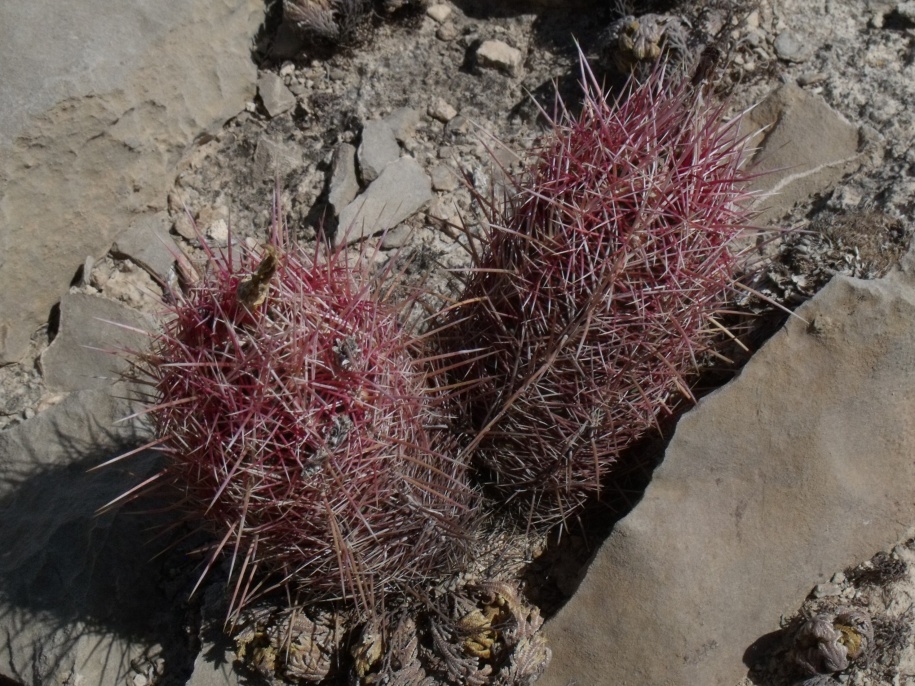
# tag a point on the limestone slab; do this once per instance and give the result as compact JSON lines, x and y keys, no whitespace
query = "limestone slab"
{"x":805,"y":148}
{"x":74,"y":608}
{"x":97,"y":104}
{"x":82,"y":356}
{"x":402,"y":189}
{"x":800,"y":467}
{"x":377,"y":149}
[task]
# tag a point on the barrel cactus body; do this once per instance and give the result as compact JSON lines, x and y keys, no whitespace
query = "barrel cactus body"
{"x":301,"y":429}
{"x":585,"y":313}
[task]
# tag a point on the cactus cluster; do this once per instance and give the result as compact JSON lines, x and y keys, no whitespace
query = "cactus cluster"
{"x":333,"y":450}
{"x":593,"y":296}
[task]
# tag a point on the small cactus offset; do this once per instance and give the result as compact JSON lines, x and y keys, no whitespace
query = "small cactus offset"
{"x":300,"y":427}
{"x":591,"y":299}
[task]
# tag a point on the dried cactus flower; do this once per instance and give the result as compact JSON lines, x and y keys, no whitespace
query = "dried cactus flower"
{"x":818,"y":646}
{"x":491,"y":636}
{"x":299,"y":423}
{"x":857,"y":632}
{"x":290,"y":644}
{"x":635,"y":42}
{"x":596,"y":289}
{"x":368,"y":651}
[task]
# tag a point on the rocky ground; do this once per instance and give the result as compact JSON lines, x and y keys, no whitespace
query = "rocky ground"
{"x":381,"y":131}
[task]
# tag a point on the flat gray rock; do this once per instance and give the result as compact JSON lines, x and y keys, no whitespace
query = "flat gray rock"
{"x":806,"y":148}
{"x":275,"y":158}
{"x":148,"y":243}
{"x":403,"y":122}
{"x":274,"y":94}
{"x":343,"y":185}
{"x":208,"y":673}
{"x":496,"y":54}
{"x":800,"y":467}
{"x":377,"y":149}
{"x":402,"y":189}
{"x":76,"y":360}
{"x":92,"y":124}
{"x":75,"y":607}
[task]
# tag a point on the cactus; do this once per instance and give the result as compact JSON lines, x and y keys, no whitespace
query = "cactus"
{"x":301,"y":428}
{"x":590,"y":303}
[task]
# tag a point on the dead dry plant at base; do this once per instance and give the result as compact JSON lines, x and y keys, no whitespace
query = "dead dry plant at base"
{"x":593,"y":294}
{"x":333,"y":21}
{"x":302,"y":428}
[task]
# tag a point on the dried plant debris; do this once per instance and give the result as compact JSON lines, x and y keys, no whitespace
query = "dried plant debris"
{"x":633,"y":42}
{"x":883,"y":569}
{"x":855,"y":630}
{"x":828,"y":643}
{"x":294,"y":645}
{"x":487,"y":634}
{"x":331,"y":21}
{"x":478,"y":633}
{"x":863,"y":244}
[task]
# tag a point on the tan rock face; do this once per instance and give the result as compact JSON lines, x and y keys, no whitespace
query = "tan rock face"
{"x":805,"y":148}
{"x":80,"y":161}
{"x":798,"y":468}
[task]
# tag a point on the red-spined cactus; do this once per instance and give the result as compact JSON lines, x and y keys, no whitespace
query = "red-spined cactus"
{"x":302,"y":428}
{"x":583,"y":317}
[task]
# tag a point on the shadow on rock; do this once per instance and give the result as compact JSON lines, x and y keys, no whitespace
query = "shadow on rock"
{"x":80,"y":593}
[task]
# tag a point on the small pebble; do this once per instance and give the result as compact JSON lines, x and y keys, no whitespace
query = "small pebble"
{"x":218,"y":232}
{"x":457,"y":126}
{"x":88,"y":263}
{"x":439,"y":13}
{"x":906,"y":10}
{"x":28,"y":413}
{"x":790,"y":48}
{"x":447,"y":32}
{"x":443,"y":179}
{"x":811,"y":78}
{"x":498,"y":55}
{"x":441,"y":111}
{"x":826,"y":590}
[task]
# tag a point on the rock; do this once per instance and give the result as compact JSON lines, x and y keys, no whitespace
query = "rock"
{"x":403,"y":122}
{"x":213,"y":223}
{"x":790,"y":48}
{"x":439,"y":13}
{"x":76,"y":360}
{"x":443,"y":178}
{"x":208,"y":673}
{"x":86,"y":275}
{"x":906,"y":10}
{"x":396,"y":238}
{"x":277,"y":98}
{"x":447,"y":32}
{"x":495,"y":54}
{"x":343,"y":185}
{"x":441,"y":110}
{"x":96,"y":107}
{"x":377,"y":149}
{"x":799,"y":467}
{"x":807,"y":147}
{"x":148,"y":243}
{"x":402,"y":189}
{"x":458,"y":126}
{"x":275,"y":158}
{"x":80,"y":598}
